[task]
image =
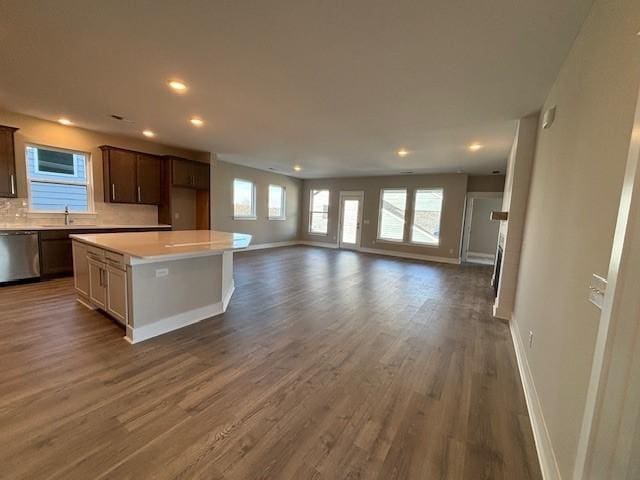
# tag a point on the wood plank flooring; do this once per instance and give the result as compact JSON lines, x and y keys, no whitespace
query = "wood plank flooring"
{"x":327,"y":365}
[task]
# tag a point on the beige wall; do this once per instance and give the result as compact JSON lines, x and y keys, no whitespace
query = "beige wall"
{"x":262,"y":229}
{"x":42,"y":132}
{"x":572,"y":209}
{"x":485,"y":183}
{"x":455,"y":188}
{"x":483,"y":237}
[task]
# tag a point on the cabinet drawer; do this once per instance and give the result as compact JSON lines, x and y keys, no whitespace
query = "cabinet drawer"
{"x":114,"y":259}
{"x":95,"y":253}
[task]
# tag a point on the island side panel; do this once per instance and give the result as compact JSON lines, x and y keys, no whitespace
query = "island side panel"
{"x":167,"y":295}
{"x":228,"y":285}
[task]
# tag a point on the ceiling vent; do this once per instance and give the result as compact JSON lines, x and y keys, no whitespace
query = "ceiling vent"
{"x":120,"y":118}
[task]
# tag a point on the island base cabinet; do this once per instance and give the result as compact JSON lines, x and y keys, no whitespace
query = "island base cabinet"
{"x":107,"y":284}
{"x":97,"y":283}
{"x":117,"y":294}
{"x":81,"y":268}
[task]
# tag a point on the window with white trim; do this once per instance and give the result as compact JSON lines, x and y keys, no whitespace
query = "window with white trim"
{"x":244,"y":199}
{"x":58,"y":179}
{"x":276,"y":202}
{"x":427,"y":213}
{"x":319,"y":212}
{"x":393,"y":206}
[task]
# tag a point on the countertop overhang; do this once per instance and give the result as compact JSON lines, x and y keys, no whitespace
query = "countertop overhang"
{"x":173,"y":245}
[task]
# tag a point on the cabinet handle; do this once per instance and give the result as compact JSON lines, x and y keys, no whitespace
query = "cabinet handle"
{"x":113,"y":191}
{"x":139,"y":196}
{"x":13,"y":184}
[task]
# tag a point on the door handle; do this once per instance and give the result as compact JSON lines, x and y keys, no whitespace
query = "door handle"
{"x":139,"y":197}
{"x":13,"y":184}
{"x":113,"y":191}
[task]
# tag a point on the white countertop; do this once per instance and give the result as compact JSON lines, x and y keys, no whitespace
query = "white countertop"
{"x":11,"y":227}
{"x":167,"y":245}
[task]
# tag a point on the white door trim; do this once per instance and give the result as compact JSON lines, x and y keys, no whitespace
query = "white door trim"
{"x":612,"y":410}
{"x":356,"y":195}
{"x":468,"y":214}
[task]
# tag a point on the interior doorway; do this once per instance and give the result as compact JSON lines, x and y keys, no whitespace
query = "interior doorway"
{"x":350,"y":227}
{"x":480,"y":237}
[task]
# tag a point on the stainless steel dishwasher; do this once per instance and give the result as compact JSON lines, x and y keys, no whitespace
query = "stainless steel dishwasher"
{"x":19,"y":259}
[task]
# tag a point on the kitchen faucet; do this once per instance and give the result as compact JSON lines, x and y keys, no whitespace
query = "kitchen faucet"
{"x":67,"y":219}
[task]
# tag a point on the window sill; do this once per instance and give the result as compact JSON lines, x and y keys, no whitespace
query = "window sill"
{"x":316,"y":234}
{"x":245,"y":218}
{"x":47,"y":214}
{"x":278,"y":219}
{"x":408,"y":244}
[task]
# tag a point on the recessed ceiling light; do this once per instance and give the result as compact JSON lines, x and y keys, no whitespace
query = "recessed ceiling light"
{"x":178,"y":86}
{"x":65,"y":121}
{"x":297,"y":168}
{"x":403,"y":152}
{"x":474,"y":147}
{"x":148,"y":133}
{"x":196,"y":121}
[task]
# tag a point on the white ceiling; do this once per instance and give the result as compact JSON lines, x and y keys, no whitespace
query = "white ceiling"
{"x":336,"y":86}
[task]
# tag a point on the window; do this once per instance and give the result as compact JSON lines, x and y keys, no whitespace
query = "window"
{"x":427,"y":210}
{"x":319,"y":212}
{"x":393,"y":204}
{"x":58,"y":179}
{"x":244,"y":199}
{"x":276,"y":202}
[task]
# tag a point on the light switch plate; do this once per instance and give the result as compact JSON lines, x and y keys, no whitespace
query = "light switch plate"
{"x":597,"y":289}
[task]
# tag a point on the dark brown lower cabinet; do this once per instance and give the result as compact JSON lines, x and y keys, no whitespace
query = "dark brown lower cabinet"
{"x":56,"y":255}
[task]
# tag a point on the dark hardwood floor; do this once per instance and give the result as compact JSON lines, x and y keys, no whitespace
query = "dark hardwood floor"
{"x":327,"y":365}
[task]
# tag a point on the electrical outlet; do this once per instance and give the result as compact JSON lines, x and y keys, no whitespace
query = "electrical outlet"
{"x":162,"y":272}
{"x":176,"y":215}
{"x":530,"y":339}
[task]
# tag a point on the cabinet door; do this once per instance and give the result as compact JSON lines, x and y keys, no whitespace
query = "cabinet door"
{"x":56,"y":257}
{"x":117,"y":294}
{"x":97,"y":283}
{"x":182,"y":173}
{"x":8,"y":186}
{"x":81,"y":268}
{"x":122,"y":177}
{"x":148,"y":175}
{"x":201,"y":175}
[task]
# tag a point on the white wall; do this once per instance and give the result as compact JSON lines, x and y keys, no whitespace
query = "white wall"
{"x":571,"y":215}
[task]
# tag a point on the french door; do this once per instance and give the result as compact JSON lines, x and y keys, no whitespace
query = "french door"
{"x":351,"y":204}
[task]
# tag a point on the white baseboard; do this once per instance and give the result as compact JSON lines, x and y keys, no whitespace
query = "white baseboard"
{"x":412,"y":256}
{"x":169,"y":324}
{"x":546,"y":455}
{"x":376,"y":251}
{"x":86,"y":303}
{"x":501,"y":313}
{"x":490,"y":256}
{"x":174,"y":322}
{"x":227,"y":296}
{"x":318,"y":244}
{"x":260,"y":246}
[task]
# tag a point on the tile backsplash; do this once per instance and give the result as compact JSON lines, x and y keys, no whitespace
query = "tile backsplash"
{"x":15,"y":211}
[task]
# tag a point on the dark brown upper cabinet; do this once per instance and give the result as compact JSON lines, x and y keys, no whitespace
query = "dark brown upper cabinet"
{"x":131,"y":177}
{"x":8,"y":185}
{"x":189,"y":174}
{"x":149,"y":175}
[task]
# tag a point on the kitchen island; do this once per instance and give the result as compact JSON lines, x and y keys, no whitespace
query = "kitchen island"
{"x":156,"y":282}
